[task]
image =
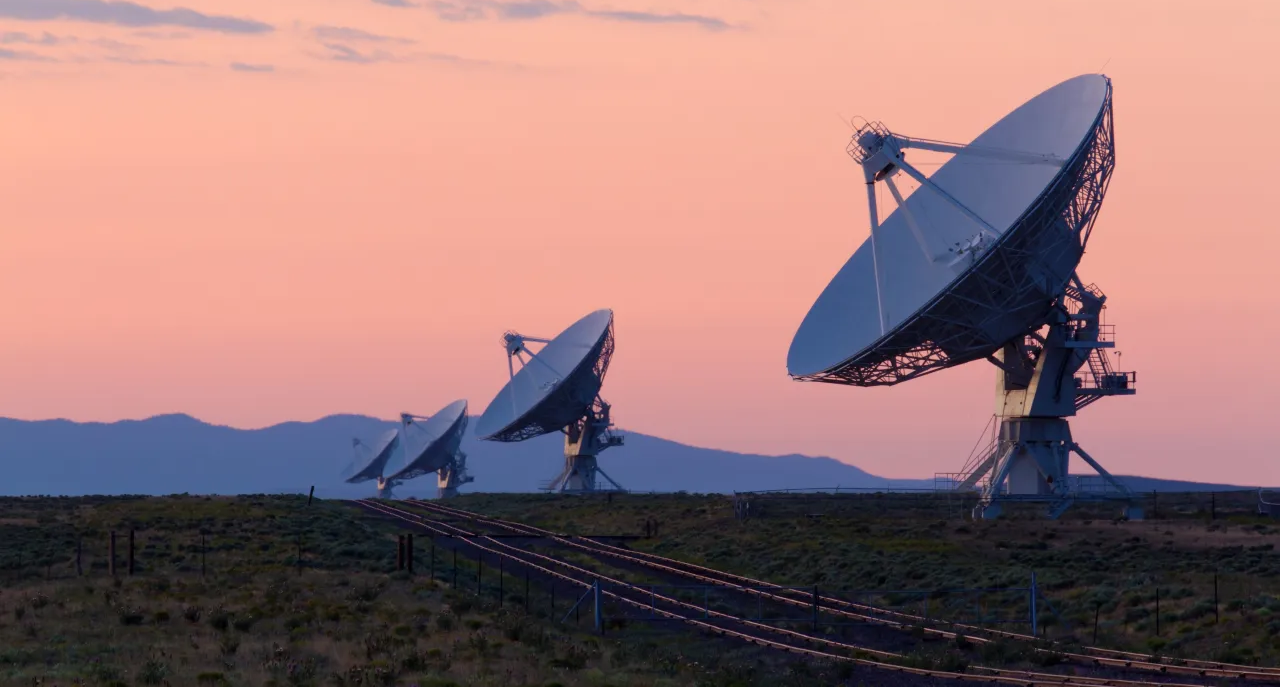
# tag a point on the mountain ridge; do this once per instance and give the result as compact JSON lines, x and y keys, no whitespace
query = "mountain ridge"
{"x":176,"y":453}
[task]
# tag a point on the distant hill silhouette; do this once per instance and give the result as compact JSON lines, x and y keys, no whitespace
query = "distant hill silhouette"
{"x":170,"y":454}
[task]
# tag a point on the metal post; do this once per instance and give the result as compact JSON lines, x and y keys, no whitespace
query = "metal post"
{"x":130,"y":552}
{"x":595,"y":588}
{"x":1213,"y":506}
{"x":1215,"y":597}
{"x":815,"y":608}
{"x":1034,"y":626}
{"x":311,"y":495}
{"x":111,"y":555}
{"x":408,"y":553}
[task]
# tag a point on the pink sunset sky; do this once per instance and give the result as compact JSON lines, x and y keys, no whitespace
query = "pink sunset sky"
{"x":255,"y":212}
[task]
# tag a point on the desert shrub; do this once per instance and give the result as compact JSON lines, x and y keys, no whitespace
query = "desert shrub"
{"x":153,"y":672}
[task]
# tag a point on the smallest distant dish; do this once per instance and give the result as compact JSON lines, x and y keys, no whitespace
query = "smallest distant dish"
{"x":381,"y":453}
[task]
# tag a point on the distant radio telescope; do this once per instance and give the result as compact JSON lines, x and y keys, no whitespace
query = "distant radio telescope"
{"x":557,"y":389}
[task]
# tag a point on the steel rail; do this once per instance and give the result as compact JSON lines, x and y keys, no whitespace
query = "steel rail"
{"x":1001,"y":675}
{"x":1098,"y":656}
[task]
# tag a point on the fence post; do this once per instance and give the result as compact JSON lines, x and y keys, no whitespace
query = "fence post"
{"x":455,"y":567}
{"x":408,"y":553}
{"x":479,"y":571}
{"x":553,"y":599}
{"x":400,"y":552}
{"x":1213,"y":506}
{"x":79,"y":552}
{"x":501,"y":581}
{"x":1215,"y":597}
{"x":1097,"y":608}
{"x":815,"y":608}
{"x":595,"y":588}
{"x":526,"y":590}
{"x":1157,"y":609}
{"x":111,"y":554}
{"x":202,"y":560}
{"x":1034,"y":626}
{"x":131,"y":552}
{"x":433,"y":559}
{"x":311,"y":495}
{"x":1155,"y":505}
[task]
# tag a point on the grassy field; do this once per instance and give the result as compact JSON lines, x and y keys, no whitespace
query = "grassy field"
{"x":219,"y":595}
{"x":1088,"y":565}
{"x":255,"y":617}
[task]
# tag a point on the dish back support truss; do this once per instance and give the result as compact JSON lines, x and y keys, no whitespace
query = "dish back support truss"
{"x":575,"y":408}
{"x":1016,"y":277}
{"x":453,"y":472}
{"x":566,"y":403}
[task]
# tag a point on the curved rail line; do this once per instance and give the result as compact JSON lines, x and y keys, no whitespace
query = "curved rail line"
{"x":990,"y":675}
{"x":1095,"y":656}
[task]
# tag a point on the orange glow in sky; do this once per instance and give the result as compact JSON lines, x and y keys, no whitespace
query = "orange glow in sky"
{"x":296,"y":208}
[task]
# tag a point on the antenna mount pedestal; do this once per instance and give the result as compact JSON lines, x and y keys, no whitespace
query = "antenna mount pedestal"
{"x":452,"y":476}
{"x":1041,"y":381}
{"x":583,"y":441}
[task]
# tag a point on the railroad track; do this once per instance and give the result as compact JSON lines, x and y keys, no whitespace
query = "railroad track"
{"x":1089,"y":656}
{"x":730,"y":625}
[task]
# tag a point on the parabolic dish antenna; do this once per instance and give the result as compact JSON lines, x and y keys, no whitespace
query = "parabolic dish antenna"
{"x":973,"y":258}
{"x":979,"y":263}
{"x":377,"y":457}
{"x":558,"y":389}
{"x":433,"y":444}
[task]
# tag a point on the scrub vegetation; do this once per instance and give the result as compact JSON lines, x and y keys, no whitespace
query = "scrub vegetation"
{"x":1090,"y":565}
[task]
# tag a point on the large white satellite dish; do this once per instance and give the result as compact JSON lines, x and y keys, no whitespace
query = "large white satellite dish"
{"x":980,"y":263}
{"x":375,"y":460}
{"x":435,"y":446}
{"x":558,"y":389}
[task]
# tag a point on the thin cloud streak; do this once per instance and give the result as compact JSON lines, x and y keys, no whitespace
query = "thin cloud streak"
{"x":345,"y":33}
{"x":23,"y":56}
{"x":21,"y":38}
{"x":127,"y":14}
{"x":528,"y":10}
{"x":256,"y":68}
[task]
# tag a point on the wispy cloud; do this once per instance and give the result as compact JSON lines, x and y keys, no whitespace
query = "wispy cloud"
{"x":127,"y":14}
{"x":151,"y":61}
{"x":246,"y":67}
{"x":344,"y":33}
{"x":395,"y":3}
{"x":23,"y":56}
{"x":340,"y":52}
{"x":526,"y":10}
{"x":20,"y":38}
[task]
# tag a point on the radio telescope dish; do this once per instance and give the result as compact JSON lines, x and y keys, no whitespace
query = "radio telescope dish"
{"x":973,"y":258}
{"x":435,"y":446}
{"x":558,"y":389}
{"x":376,"y":457}
{"x":980,"y":262}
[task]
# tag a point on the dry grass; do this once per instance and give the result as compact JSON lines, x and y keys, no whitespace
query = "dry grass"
{"x":256,"y":619}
